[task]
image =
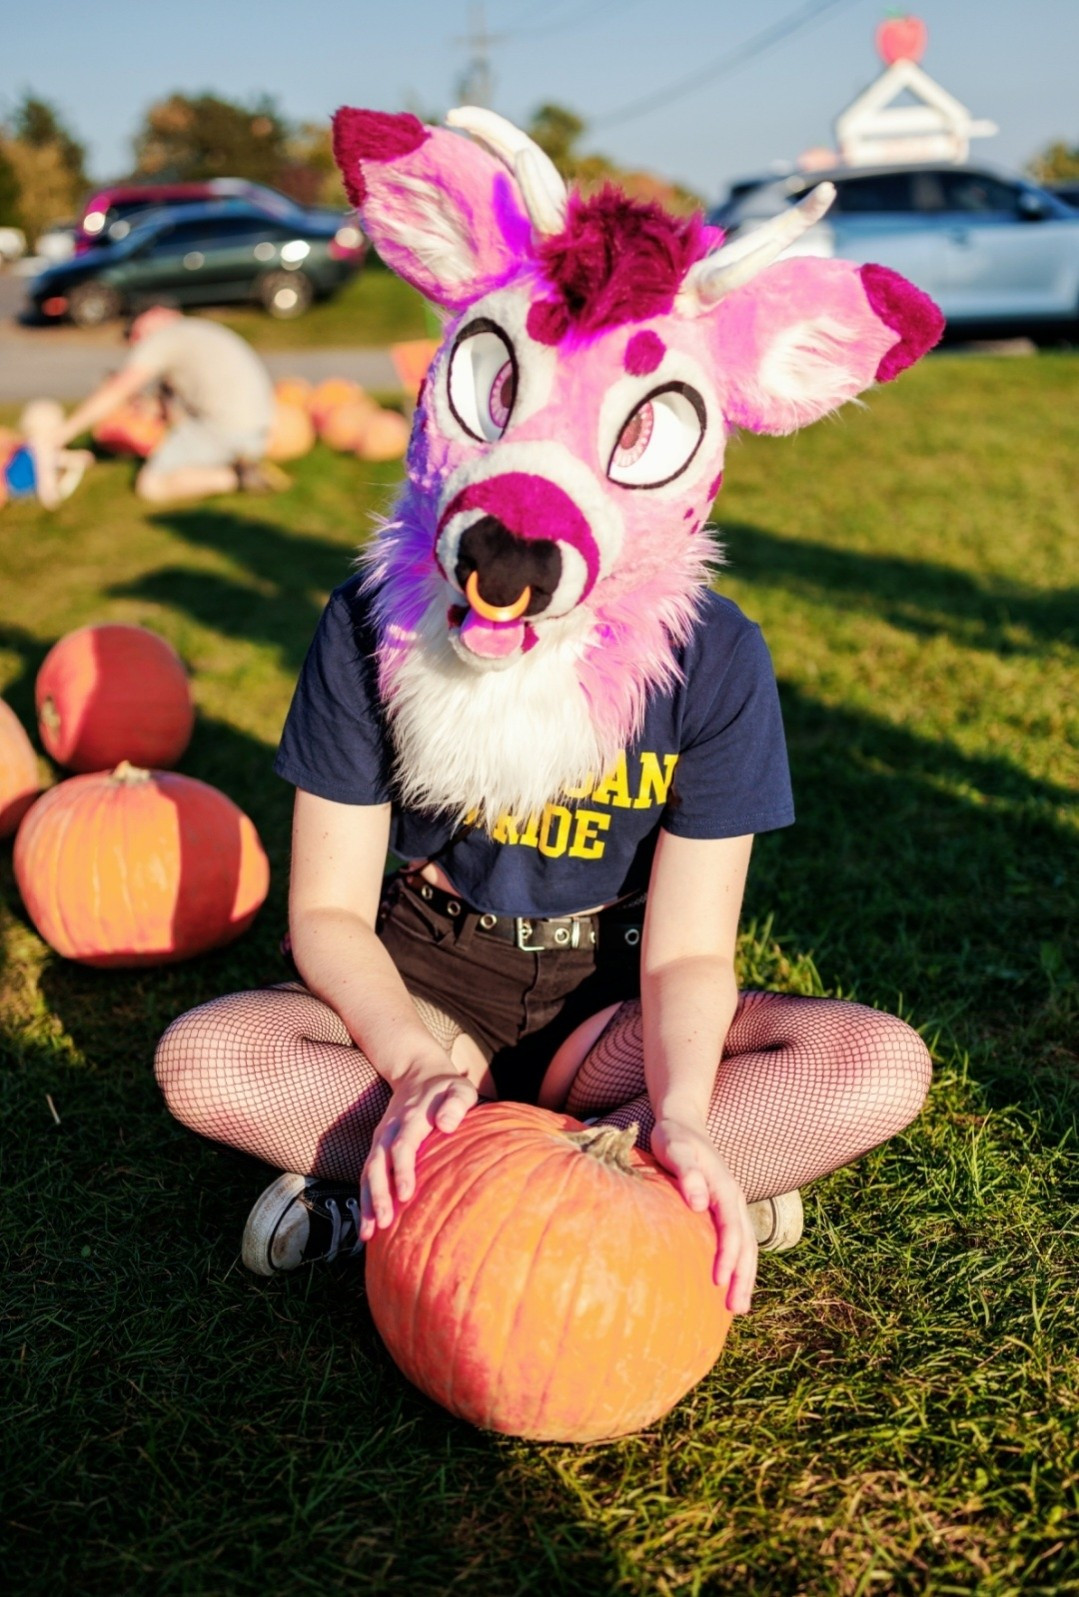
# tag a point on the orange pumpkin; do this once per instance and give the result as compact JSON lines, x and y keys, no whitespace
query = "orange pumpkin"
{"x":110,"y":693}
{"x":329,"y":395}
{"x":138,"y":867}
{"x":294,"y":391}
{"x":19,"y":780}
{"x":385,"y":437}
{"x":134,"y":428}
{"x":345,"y":427}
{"x":292,"y":433}
{"x":547,"y":1279}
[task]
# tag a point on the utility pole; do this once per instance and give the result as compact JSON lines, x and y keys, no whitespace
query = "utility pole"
{"x":476,"y":83}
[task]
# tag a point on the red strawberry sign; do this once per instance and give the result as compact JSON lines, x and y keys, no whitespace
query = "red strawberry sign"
{"x":901,"y":38}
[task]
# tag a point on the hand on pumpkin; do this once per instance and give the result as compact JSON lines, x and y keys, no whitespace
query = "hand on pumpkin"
{"x":422,"y":1102}
{"x":705,"y":1183}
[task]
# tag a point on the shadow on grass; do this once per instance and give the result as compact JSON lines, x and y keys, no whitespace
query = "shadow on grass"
{"x":915,"y":595}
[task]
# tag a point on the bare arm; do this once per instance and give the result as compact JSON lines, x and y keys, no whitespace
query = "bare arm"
{"x":688,"y":996}
{"x":107,"y":397}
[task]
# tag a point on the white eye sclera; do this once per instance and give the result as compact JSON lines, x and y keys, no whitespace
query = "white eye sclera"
{"x":482,"y":382}
{"x":659,"y":439}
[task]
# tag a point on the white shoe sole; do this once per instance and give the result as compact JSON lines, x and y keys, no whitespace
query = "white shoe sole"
{"x":270,"y":1242}
{"x":778,"y":1222}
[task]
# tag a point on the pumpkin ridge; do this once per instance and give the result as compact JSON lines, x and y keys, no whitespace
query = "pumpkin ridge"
{"x":126,"y":853}
{"x":433,"y":1234}
{"x":68,"y":816}
{"x":557,"y":1153}
{"x":567,"y":1319}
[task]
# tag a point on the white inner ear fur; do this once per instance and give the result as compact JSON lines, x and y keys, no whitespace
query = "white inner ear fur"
{"x":424,"y":219}
{"x":805,"y":372}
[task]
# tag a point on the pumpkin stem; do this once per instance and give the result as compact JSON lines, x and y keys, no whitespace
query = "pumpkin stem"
{"x":50,"y":716}
{"x":129,"y":775}
{"x":607,"y":1144}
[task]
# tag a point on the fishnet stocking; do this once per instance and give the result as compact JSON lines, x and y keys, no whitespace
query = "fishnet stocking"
{"x":805,"y":1085}
{"x":275,"y":1073}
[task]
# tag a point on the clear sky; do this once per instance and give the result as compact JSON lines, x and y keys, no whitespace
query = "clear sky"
{"x":698,"y":90}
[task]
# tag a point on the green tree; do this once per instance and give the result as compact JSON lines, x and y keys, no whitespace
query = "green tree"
{"x":48,"y":164}
{"x":37,"y":124}
{"x":200,"y":136}
{"x":10,"y":208}
{"x":558,"y":131}
{"x":1057,"y":163}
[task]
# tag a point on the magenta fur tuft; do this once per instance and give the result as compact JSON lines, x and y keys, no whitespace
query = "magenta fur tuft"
{"x":620,"y":260}
{"x":360,"y":136}
{"x":548,"y":321}
{"x":916,"y":318}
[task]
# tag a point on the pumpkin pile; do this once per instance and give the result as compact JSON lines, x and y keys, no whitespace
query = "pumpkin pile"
{"x":121,"y":864}
{"x":547,"y":1280}
{"x":339,"y":412}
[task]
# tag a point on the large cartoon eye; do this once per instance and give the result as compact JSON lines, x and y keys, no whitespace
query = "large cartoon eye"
{"x":483,"y":381}
{"x":659,"y":439}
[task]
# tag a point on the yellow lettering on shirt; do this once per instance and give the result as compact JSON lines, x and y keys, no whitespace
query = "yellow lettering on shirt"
{"x":587,"y":843}
{"x":584,"y":790}
{"x":555,"y":828}
{"x":655,"y":784}
{"x":614,"y":789}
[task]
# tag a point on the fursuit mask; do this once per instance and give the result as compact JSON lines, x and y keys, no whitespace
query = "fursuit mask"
{"x":548,"y":550}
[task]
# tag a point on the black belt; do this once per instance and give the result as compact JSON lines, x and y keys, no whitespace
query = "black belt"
{"x":622,"y":923}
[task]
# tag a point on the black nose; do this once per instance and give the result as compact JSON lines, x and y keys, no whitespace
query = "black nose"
{"x":505,"y":565}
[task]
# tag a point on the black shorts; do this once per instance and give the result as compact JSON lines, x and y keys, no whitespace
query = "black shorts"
{"x":518,"y":1003}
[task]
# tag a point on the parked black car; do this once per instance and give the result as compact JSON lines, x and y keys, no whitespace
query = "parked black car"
{"x":222,"y":252}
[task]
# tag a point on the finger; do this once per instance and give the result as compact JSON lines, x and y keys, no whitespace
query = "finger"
{"x":454,"y":1104}
{"x":403,"y":1160}
{"x":694,"y":1189}
{"x":729,"y":1243}
{"x":378,"y":1177}
{"x":740,"y":1291}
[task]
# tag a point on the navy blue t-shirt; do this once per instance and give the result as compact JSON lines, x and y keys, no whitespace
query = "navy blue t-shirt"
{"x":710,"y":762}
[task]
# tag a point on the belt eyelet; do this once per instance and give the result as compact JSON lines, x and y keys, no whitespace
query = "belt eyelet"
{"x":561,"y":935}
{"x":632,"y":935}
{"x":487,"y":921}
{"x":427,"y":892}
{"x":453,"y":909}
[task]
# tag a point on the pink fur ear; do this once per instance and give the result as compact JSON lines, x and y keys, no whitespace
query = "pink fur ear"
{"x":441,"y":212}
{"x":807,"y":335}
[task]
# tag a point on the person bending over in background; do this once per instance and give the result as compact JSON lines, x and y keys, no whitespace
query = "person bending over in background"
{"x":220,"y":408}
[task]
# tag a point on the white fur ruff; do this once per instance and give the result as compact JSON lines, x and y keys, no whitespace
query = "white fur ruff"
{"x":481,"y":744}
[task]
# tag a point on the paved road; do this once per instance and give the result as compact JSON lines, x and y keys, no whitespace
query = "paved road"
{"x":65,"y":363}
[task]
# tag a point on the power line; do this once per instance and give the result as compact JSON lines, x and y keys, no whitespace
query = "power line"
{"x":755,"y":46}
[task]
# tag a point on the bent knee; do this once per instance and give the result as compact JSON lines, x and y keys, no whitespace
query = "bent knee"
{"x":895,"y":1066}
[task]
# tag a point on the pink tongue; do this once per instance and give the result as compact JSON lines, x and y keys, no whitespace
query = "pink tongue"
{"x":491,"y":639}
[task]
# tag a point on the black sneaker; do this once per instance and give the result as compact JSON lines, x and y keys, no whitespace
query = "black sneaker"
{"x":301,"y":1219}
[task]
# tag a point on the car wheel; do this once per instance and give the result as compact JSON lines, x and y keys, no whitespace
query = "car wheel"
{"x":92,"y":304}
{"x":286,"y":294}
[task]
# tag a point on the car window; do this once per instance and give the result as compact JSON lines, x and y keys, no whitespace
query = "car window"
{"x":879,"y":191}
{"x":977,"y":192}
{"x":223,"y":232}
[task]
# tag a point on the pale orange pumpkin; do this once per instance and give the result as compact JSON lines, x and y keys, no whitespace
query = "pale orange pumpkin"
{"x":113,"y":692}
{"x":134,"y":428}
{"x":292,"y":433}
{"x":331,"y":393}
{"x":138,"y":867}
{"x":19,"y":780}
{"x":294,"y":391}
{"x":385,"y":437}
{"x":547,"y":1280}
{"x":345,"y":427}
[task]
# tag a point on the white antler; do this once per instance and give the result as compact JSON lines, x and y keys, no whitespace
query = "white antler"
{"x":541,"y":185}
{"x":734,"y":264}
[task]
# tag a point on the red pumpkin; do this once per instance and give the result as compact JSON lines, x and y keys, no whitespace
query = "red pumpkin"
{"x":547,"y":1280}
{"x":134,"y":428}
{"x":19,"y":781}
{"x":138,"y":867}
{"x":901,"y":39}
{"x":111,"y":693}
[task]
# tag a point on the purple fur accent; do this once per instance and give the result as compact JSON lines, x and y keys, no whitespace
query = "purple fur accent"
{"x":644,"y":352}
{"x":907,"y":311}
{"x":621,"y":260}
{"x":548,"y":321}
{"x":530,"y":507}
{"x":371,"y":136}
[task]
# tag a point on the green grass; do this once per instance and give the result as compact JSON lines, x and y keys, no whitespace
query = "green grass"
{"x":374,"y":309}
{"x":899,"y":1413}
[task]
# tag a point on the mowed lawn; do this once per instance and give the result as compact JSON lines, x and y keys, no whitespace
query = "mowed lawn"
{"x":899,"y":1413}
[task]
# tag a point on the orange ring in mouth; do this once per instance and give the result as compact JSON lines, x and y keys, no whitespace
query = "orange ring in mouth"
{"x":495,"y":612}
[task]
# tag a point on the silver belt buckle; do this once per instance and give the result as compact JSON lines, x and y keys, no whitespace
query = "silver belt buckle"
{"x":522,"y":932}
